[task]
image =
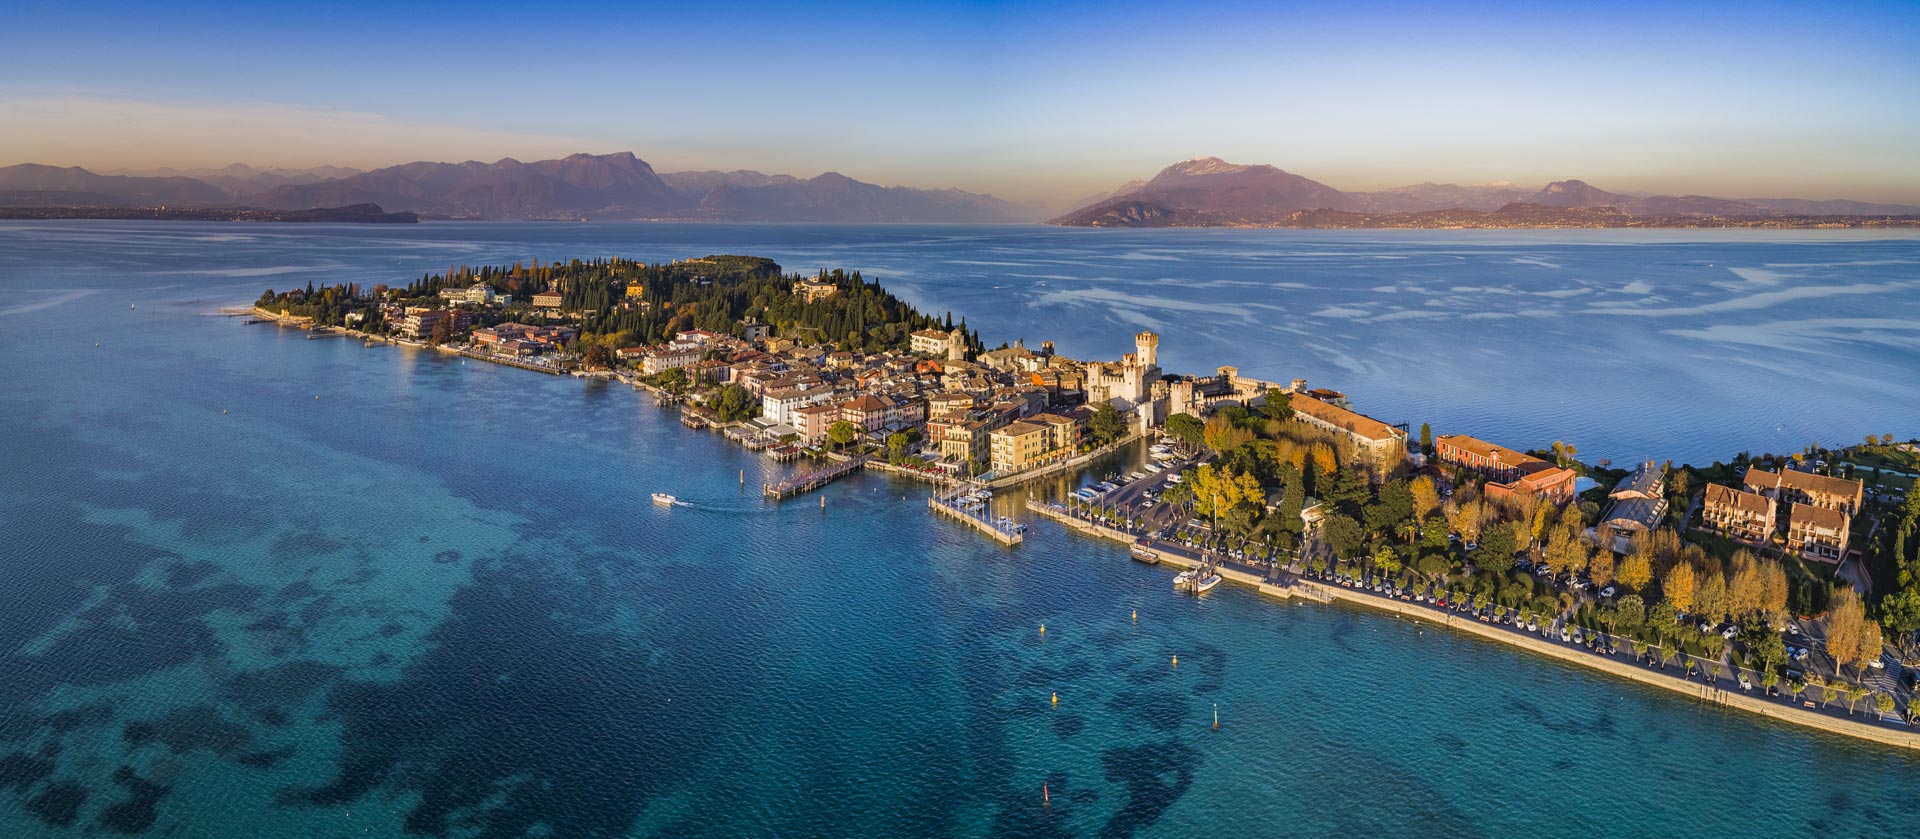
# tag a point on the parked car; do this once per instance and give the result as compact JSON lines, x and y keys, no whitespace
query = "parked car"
{"x":1607,"y":592}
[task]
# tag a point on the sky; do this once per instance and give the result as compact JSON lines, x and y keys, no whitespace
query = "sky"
{"x":1029,"y":101}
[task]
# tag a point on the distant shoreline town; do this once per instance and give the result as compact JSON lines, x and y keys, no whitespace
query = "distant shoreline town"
{"x":1783,"y":584}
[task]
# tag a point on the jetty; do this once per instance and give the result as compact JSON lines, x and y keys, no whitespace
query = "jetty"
{"x":1275,"y":582}
{"x":810,"y":481}
{"x":948,"y":504}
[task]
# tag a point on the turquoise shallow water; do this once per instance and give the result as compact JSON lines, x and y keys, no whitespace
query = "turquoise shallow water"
{"x":435,"y":600}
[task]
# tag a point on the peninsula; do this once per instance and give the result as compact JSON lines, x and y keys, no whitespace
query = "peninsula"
{"x":1738,"y":582}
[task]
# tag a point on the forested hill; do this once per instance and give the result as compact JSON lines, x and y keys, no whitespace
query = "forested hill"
{"x":715,"y":293}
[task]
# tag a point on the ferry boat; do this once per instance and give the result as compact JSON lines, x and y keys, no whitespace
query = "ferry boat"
{"x":1144,"y":555}
{"x":664,"y":499}
{"x":1206,"y":583}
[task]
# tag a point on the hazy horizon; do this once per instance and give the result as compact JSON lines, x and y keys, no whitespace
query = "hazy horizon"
{"x":1051,"y":103}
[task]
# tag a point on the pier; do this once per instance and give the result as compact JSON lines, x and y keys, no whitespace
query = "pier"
{"x":947,"y":504}
{"x":810,"y":481}
{"x":1277,"y":583}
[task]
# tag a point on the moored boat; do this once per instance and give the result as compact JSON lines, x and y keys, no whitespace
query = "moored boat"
{"x":1184,"y":580}
{"x":1206,"y":583}
{"x":1144,"y":555}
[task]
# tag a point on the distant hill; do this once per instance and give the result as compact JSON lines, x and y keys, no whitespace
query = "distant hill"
{"x":836,"y":198}
{"x":613,"y":185}
{"x":1210,"y":192}
{"x":624,"y":186}
{"x":240,"y":179}
{"x":1832,"y":208}
{"x":1432,"y":196}
{"x":33,"y":177}
{"x":697,"y":184}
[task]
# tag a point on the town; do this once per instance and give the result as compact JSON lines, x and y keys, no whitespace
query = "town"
{"x":1787,"y":585}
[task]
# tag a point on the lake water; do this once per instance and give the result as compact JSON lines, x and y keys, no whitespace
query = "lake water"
{"x":259,"y":585}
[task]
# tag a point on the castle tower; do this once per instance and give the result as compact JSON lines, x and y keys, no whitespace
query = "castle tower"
{"x":1146,"y":349}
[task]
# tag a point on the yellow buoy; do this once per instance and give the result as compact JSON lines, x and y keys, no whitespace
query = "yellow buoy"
{"x":1136,"y":616}
{"x":1043,"y":629}
{"x":1056,"y":698}
{"x":1176,"y":661}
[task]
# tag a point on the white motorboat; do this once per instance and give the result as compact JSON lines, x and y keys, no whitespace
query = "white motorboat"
{"x":1205,"y":584}
{"x":664,"y":499}
{"x":1184,"y":580}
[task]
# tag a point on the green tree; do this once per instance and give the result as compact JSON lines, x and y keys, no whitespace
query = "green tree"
{"x":1186,"y":428}
{"x":1107,"y":424}
{"x":597,"y":356}
{"x":841,"y":433}
{"x":1342,"y":534}
{"x":733,"y":403}
{"x":1426,"y":438}
{"x":1278,"y":406}
{"x":897,"y":443}
{"x":1497,"y":546}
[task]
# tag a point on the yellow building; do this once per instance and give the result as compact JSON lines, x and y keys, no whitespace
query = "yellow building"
{"x":1020,"y":446}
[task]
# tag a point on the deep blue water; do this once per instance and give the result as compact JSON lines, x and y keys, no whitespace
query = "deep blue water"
{"x":435,"y":601}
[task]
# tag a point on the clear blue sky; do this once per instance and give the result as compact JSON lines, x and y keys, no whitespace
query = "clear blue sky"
{"x":1047,"y":101}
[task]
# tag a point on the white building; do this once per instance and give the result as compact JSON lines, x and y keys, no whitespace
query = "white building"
{"x":780,"y":405}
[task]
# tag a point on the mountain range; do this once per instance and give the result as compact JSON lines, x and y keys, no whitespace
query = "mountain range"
{"x":610,"y":186}
{"x":1204,"y":191}
{"x":1208,"y":191}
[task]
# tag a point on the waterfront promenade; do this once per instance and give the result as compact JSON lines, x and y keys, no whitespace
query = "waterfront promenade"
{"x":1833,"y":718}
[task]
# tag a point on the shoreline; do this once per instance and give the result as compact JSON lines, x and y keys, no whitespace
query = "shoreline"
{"x":1422,"y":613}
{"x":1777,"y":709}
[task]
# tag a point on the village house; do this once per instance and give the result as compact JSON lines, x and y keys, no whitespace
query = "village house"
{"x":1736,"y":514}
{"x":867,"y":412}
{"x":939,"y":343}
{"x":514,"y":337}
{"x":1020,"y":446}
{"x":814,"y":289}
{"x":1509,"y":473}
{"x":778,"y":405}
{"x":546,"y":300}
{"x":1636,"y":505}
{"x":661,"y":359}
{"x":813,"y":421}
{"x":420,"y":322}
{"x":1817,"y":532}
{"x":1064,"y":432}
{"x":1376,"y":442}
{"x":1795,"y":486}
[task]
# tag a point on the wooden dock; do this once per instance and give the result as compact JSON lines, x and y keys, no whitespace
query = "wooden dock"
{"x":810,"y":481}
{"x":947,"y":505}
